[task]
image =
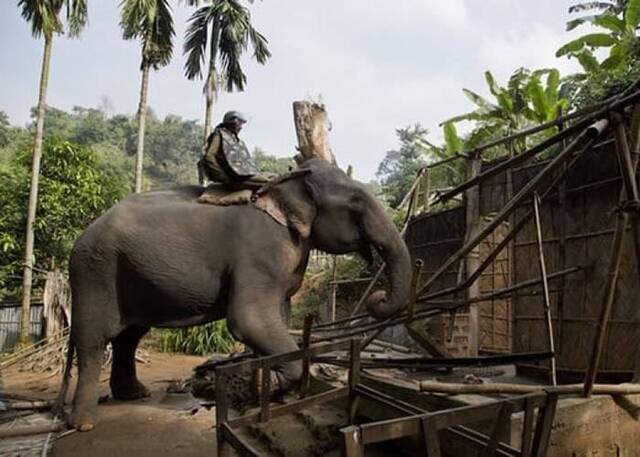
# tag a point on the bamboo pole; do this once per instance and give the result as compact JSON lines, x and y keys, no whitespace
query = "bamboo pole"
{"x":545,"y":288}
{"x":506,"y":389}
{"x":447,"y":306}
{"x":31,"y":430}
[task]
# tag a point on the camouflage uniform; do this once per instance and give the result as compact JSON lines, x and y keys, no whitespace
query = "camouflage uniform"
{"x":227,"y":161}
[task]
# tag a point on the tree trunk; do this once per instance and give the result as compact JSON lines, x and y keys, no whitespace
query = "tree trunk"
{"x":312,"y":129}
{"x":56,"y":299}
{"x":27,"y":278}
{"x":142,"y":115}
{"x":210,"y":98}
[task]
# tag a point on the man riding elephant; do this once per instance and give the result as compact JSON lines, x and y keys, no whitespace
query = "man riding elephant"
{"x":227,"y":161}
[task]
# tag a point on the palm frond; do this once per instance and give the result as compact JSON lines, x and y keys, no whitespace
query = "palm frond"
{"x":152,"y":22}
{"x":589,"y":6}
{"x":77,"y":16}
{"x":195,"y":44}
{"x":44,"y":17}
{"x":225,"y":27}
{"x":163,"y":34}
{"x":259,"y":43}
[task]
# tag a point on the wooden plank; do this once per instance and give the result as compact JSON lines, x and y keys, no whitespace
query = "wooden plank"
{"x":500,"y":428}
{"x":353,"y":445}
{"x":431,"y":439}
{"x":543,"y":426}
{"x":238,"y":444}
{"x":289,"y":408}
{"x":278,"y":359}
{"x":527,"y":427}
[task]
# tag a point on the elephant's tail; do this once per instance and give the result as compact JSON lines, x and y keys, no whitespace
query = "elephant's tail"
{"x":58,"y":407}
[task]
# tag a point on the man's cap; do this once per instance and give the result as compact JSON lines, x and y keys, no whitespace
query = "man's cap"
{"x":232,"y":116}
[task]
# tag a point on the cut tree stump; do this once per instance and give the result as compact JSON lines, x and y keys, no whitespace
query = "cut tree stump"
{"x":312,"y":130}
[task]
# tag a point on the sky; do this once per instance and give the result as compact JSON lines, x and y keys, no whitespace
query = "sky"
{"x":378,"y":65}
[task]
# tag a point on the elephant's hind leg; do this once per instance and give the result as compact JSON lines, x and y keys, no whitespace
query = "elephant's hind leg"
{"x":85,"y":402}
{"x":124,"y":382}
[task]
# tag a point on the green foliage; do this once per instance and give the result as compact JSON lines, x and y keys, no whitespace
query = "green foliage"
{"x":619,"y":22}
{"x":199,"y":340}
{"x":399,"y":167}
{"x":172,"y":148}
{"x":271,"y":164}
{"x":75,"y":188}
{"x":5,"y":130}
{"x":224,"y":27}
{"x":529,"y":97}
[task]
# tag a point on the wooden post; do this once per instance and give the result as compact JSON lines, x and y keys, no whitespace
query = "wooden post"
{"x":545,"y":287}
{"x":472,"y":260}
{"x":354,"y":379}
{"x":334,"y":288}
{"x":265,"y":391}
{"x":312,"y":130}
{"x":306,"y":339}
{"x":221,"y":411}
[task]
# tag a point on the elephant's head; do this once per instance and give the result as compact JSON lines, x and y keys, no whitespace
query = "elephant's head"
{"x":339,"y":215}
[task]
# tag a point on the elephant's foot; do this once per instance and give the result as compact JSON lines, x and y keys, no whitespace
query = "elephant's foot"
{"x":82,"y":421}
{"x":132,"y":391}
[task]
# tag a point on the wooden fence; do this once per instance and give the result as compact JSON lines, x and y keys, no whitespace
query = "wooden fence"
{"x":10,"y":324}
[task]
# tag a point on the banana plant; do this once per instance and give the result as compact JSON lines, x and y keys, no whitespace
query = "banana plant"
{"x":619,"y":35}
{"x":615,"y":7}
{"x":525,"y":100}
{"x":545,"y":102}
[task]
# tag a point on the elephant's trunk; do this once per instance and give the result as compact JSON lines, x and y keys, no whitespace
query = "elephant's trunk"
{"x":384,"y":236}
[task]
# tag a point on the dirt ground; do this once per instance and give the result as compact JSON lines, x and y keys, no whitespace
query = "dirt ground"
{"x":162,"y":425}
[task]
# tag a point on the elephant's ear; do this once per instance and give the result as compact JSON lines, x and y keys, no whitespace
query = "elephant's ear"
{"x":291,"y":206}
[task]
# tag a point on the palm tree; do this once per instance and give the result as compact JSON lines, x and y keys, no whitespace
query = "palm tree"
{"x":224,"y":26}
{"x":152,"y":23}
{"x":45,"y":17}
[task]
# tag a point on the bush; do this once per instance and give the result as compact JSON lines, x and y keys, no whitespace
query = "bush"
{"x":199,"y":340}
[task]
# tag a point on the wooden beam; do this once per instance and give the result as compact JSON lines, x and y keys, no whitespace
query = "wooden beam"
{"x":507,"y":389}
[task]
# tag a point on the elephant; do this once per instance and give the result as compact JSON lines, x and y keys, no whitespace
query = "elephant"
{"x":160,"y":259}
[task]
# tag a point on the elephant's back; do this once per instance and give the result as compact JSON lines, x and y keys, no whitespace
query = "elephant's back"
{"x":171,"y":216}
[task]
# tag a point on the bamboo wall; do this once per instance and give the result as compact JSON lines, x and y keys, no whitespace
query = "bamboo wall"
{"x":577,"y":229}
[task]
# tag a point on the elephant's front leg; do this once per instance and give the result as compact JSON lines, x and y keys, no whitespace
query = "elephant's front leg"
{"x":254,"y":318}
